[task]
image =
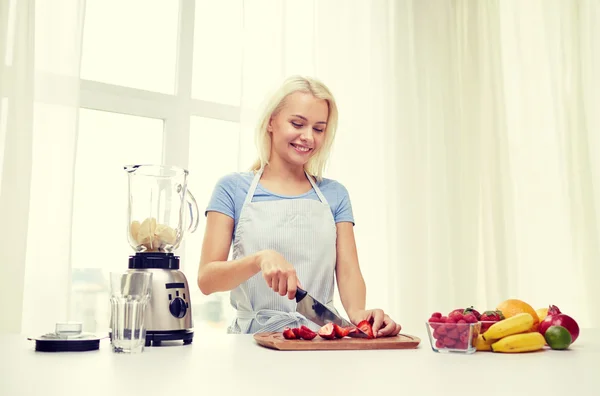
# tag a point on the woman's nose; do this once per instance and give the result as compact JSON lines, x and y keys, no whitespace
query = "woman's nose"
{"x":307,"y":135}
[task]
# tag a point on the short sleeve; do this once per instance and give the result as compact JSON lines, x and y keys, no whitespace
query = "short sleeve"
{"x":223,"y":197}
{"x":343,"y":211}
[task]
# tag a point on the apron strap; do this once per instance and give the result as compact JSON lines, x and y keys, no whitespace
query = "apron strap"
{"x":252,"y":188}
{"x":317,"y":189}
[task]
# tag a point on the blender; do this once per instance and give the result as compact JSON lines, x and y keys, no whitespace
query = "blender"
{"x":161,"y":210}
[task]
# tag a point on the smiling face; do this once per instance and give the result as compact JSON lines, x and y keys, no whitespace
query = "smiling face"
{"x":298,"y":128}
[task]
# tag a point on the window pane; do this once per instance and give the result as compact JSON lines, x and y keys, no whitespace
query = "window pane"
{"x":106,"y":142}
{"x":213,"y":153}
{"x":131,"y":43}
{"x":218,"y":51}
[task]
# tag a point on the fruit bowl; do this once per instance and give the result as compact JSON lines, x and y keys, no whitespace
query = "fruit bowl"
{"x":453,"y":337}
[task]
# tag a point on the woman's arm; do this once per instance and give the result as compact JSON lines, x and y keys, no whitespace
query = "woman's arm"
{"x":216,"y":274}
{"x":349,"y":277}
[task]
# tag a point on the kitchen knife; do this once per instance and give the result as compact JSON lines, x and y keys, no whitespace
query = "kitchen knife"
{"x":320,"y":314}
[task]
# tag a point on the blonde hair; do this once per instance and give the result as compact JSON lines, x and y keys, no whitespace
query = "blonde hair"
{"x":316,"y":164}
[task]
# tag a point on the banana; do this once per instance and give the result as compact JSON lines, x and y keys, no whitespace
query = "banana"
{"x":519,"y":323}
{"x":516,"y":343}
{"x":482,"y":345}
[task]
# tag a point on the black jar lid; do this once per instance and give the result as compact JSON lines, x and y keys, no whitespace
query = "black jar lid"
{"x":67,"y":337}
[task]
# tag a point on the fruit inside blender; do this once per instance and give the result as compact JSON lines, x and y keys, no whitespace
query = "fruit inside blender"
{"x":152,"y":236}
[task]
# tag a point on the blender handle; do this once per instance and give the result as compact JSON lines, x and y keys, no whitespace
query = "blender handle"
{"x":194,"y":213}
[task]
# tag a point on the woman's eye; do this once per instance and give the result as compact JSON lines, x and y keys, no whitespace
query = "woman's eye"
{"x":318,"y":130}
{"x":296,"y":124}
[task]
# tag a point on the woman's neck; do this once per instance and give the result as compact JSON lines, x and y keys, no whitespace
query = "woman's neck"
{"x":280,"y":170}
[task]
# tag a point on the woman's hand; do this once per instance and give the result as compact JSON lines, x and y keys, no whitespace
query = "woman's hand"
{"x":278,"y":273}
{"x":383,"y":325}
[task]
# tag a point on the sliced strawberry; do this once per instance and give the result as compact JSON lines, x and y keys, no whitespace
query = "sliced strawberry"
{"x":307,"y":333}
{"x":366,"y":327}
{"x":296,"y":331}
{"x":327,"y":331}
{"x":341,"y":332}
{"x":288,"y":334}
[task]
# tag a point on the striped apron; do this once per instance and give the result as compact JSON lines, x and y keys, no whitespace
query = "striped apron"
{"x":303,"y":231}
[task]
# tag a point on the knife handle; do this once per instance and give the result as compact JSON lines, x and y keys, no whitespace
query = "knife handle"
{"x":300,"y":294}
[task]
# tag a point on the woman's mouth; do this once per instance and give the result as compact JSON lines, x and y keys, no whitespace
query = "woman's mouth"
{"x":301,"y":149}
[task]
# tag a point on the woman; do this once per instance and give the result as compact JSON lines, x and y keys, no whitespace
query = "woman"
{"x":290,"y":226}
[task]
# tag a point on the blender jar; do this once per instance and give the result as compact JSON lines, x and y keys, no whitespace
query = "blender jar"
{"x":159,"y":204}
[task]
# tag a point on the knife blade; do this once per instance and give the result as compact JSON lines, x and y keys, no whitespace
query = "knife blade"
{"x":319,"y":313}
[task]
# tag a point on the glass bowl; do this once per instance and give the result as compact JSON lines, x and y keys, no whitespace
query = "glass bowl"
{"x":453,"y":337}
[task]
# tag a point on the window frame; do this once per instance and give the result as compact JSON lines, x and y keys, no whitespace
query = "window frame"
{"x":175,"y":109}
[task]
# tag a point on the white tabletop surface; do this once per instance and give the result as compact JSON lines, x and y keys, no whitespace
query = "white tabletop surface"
{"x":236,"y":365}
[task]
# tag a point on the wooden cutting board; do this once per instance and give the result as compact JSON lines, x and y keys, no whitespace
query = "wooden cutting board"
{"x":275,"y":340}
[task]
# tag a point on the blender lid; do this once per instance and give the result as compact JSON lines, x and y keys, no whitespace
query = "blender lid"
{"x":67,"y":337}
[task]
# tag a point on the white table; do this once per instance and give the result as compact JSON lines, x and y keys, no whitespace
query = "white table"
{"x":235,"y":364}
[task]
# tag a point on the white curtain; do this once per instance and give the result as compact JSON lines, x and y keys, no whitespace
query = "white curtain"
{"x":40,"y":46}
{"x":467,"y":138}
{"x":497,"y":127}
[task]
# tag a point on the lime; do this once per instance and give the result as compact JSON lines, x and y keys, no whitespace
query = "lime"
{"x":558,"y":337}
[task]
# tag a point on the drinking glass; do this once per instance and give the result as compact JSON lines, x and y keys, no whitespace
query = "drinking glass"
{"x":130,"y":294}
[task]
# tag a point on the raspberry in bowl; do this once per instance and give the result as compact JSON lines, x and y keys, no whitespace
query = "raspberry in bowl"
{"x":456,"y":332}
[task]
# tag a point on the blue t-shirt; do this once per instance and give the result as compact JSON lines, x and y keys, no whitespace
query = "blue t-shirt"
{"x":230,"y":193}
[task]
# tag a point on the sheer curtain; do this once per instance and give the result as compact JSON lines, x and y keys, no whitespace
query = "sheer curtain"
{"x":495,"y":132}
{"x":39,"y":69}
{"x":468,"y":137}
{"x":466,"y":140}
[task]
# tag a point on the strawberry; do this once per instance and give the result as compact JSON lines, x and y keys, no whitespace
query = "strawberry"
{"x":449,"y":342}
{"x":307,"y":333}
{"x":473,"y":311}
{"x":439,"y":343}
{"x":367,"y":327}
{"x":490,"y":316}
{"x":442,"y":330}
{"x":436,"y":315}
{"x":296,"y":331}
{"x":456,"y":315}
{"x":460,"y":345}
{"x":450,"y":323}
{"x":471,"y":318}
{"x":464,"y":337}
{"x":327,"y":331}
{"x":435,"y":322}
{"x":453,"y":334}
{"x":288,"y":334}
{"x":341,"y":332}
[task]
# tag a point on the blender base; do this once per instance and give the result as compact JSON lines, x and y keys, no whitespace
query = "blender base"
{"x":155,"y":338}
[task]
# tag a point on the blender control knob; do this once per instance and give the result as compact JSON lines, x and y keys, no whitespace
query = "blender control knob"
{"x":178,"y":307}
